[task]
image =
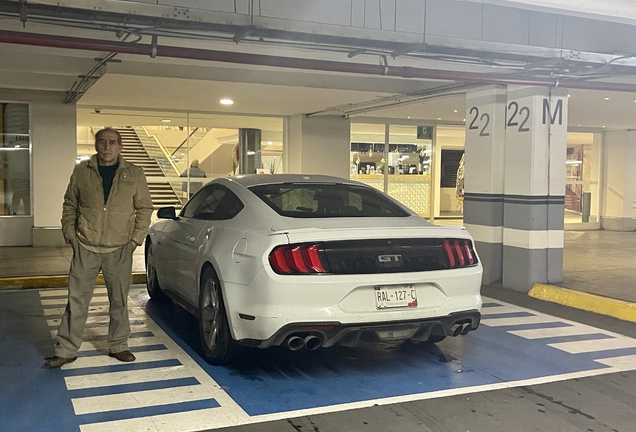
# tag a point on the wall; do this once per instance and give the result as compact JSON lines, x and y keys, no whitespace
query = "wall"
{"x":619,"y":175}
{"x":54,"y":135}
{"x":54,"y":150}
{"x":318,"y":145}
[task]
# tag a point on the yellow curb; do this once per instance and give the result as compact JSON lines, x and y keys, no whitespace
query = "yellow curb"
{"x":28,"y":282}
{"x":620,"y":309}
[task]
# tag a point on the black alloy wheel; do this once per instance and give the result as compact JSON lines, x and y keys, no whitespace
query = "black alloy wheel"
{"x":216,"y":340}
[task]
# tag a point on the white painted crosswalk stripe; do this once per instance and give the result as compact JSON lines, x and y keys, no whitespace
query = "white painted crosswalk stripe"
{"x":595,"y":345}
{"x":185,"y":370}
{"x":501,"y":322}
{"x":125,"y":377}
{"x":555,"y":332}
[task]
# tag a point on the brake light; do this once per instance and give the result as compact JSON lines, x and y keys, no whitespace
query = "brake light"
{"x":459,"y":253}
{"x":297,"y":259}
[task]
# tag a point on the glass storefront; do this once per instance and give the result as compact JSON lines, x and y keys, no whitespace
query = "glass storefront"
{"x":176,"y":149}
{"x":15,"y":160}
{"x":395,"y":159}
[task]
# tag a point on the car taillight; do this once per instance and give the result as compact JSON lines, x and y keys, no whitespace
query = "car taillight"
{"x":297,"y":259}
{"x":459,"y":253}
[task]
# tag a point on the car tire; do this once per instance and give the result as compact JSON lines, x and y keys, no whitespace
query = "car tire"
{"x":152,"y":282}
{"x":216,"y":340}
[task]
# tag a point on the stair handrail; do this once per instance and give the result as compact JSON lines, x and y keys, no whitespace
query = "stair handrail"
{"x":162,"y":148}
{"x":184,"y":141}
{"x":180,"y":161}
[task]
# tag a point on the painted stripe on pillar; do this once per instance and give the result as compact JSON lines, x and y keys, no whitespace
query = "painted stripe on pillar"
{"x":530,"y":213}
{"x":485,"y":234}
{"x":484,"y":209}
{"x":545,"y":239}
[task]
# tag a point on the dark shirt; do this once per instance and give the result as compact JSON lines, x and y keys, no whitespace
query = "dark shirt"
{"x":108,"y":174}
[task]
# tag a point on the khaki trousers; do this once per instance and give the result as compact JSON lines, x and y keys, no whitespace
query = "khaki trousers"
{"x":116,"y":267}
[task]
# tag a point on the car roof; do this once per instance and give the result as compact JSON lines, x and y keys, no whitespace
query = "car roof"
{"x":249,"y":180}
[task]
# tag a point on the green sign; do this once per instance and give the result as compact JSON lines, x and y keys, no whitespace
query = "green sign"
{"x":425,"y":132}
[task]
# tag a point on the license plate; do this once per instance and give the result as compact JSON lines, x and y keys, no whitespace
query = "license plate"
{"x":395,"y":296}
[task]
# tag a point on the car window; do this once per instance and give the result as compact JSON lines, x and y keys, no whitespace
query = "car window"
{"x":213,"y":203}
{"x":309,"y":200}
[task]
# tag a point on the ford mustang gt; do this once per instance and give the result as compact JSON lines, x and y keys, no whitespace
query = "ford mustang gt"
{"x":310,"y":261}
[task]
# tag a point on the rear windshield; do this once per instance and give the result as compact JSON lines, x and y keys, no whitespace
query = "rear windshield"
{"x":306,"y":200}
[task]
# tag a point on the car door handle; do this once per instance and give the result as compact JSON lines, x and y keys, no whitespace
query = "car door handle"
{"x":191,"y":238}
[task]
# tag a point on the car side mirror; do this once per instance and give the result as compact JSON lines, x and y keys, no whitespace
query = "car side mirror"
{"x":167,"y":213}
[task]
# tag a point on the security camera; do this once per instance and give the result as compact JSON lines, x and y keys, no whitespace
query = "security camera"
{"x":97,"y":110}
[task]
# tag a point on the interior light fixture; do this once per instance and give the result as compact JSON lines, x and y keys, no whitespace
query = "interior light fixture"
{"x":573,"y":162}
{"x":603,"y":125}
{"x":269,"y":143}
{"x":569,"y":95}
{"x":251,"y":152}
{"x":455,"y":110}
{"x":439,"y":118}
{"x":606,"y":98}
{"x":226,"y":101}
{"x":166,"y":120}
{"x":408,"y":117}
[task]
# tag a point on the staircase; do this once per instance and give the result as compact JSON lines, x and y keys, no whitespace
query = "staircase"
{"x":162,"y":193}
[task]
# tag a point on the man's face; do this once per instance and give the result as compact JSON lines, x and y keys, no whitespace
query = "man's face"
{"x":108,"y":148}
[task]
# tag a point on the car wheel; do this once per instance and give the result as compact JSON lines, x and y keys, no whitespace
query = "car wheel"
{"x":152,"y":282}
{"x":218,"y":346}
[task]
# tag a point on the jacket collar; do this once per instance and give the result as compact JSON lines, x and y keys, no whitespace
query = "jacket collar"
{"x":92,"y":163}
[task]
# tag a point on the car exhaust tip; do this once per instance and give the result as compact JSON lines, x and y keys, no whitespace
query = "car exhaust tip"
{"x":466,"y":328}
{"x":312,"y":343}
{"x":455,"y":330}
{"x":295,"y":343}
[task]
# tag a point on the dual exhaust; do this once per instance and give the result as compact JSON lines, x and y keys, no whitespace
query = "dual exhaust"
{"x":310,"y":342}
{"x":460,"y":329}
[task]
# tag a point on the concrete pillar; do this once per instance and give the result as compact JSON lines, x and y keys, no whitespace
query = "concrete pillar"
{"x":534,"y":191}
{"x":317,"y":145}
{"x":619,"y":183}
{"x":249,"y":150}
{"x":484,"y":175}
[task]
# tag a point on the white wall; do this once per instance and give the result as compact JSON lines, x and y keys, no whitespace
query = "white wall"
{"x":619,"y":169}
{"x":54,"y":135}
{"x":318,"y":145}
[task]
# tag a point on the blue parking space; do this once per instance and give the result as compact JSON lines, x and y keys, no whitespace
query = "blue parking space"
{"x":278,"y":380}
{"x":170,"y":381}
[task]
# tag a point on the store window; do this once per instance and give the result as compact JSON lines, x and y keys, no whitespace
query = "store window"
{"x":582,"y":172}
{"x":402,"y":169}
{"x":15,"y":160}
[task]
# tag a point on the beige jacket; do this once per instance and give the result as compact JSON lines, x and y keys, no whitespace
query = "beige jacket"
{"x":124,"y":217}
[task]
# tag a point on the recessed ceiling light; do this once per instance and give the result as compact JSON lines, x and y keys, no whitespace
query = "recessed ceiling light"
{"x":439,"y":118}
{"x":603,"y":125}
{"x":408,"y":117}
{"x":455,"y":110}
{"x":226,"y":101}
{"x":166,"y":120}
{"x":463,"y":119}
{"x":269,"y":143}
{"x":606,"y":98}
{"x":569,"y":95}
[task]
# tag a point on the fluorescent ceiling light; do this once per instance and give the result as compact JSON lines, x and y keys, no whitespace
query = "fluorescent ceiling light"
{"x":269,"y":143}
{"x":166,"y":120}
{"x":251,"y":152}
{"x":573,"y":162}
{"x":226,"y":101}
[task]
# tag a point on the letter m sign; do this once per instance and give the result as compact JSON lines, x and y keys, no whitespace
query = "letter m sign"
{"x":547,"y":112}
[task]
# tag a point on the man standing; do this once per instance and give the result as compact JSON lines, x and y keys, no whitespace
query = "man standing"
{"x":193,"y":171}
{"x":105,"y":216}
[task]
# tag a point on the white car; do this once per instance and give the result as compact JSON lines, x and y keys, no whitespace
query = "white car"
{"x":310,"y":261}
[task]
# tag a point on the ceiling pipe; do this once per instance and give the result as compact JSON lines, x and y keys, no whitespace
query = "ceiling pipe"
{"x":65,"y":42}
